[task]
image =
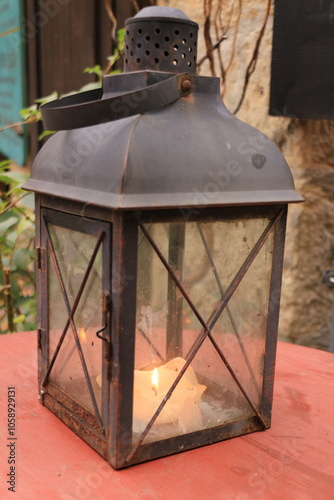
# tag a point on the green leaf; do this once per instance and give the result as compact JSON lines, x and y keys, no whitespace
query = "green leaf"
{"x":4,"y":164}
{"x":91,"y":86}
{"x":46,"y":133}
{"x":47,"y":98}
{"x":20,"y":260}
{"x":112,"y":59}
{"x":11,"y":238}
{"x":121,"y":35}
{"x":19,"y":319}
{"x":6,"y":247}
{"x":67,"y":94}
{"x":29,"y":112}
{"x":5,"y":225}
{"x":14,"y":289}
{"x":16,"y":177}
{"x":3,"y":205}
{"x":94,"y":70}
{"x":120,"y":39}
{"x":23,"y":225}
{"x":28,"y":202}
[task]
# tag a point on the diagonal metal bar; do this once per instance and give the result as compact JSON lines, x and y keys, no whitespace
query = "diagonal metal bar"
{"x":75,"y":305}
{"x":207,"y":328}
{"x":192,"y":354}
{"x":228,"y":295}
{"x":78,"y":249}
{"x":150,"y":343}
{"x":237,"y":381}
{"x":148,"y":340}
{"x":142,"y":236}
{"x":171,"y":273}
{"x":245,"y":266}
{"x":228,"y":310}
{"x":72,"y":323}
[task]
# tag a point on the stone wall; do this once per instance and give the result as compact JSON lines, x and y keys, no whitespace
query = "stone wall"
{"x":306,"y":144}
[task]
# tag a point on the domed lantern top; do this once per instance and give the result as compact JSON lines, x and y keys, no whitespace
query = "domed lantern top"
{"x":155,"y":136}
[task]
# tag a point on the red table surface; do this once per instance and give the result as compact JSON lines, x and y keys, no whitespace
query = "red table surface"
{"x":294,"y":460}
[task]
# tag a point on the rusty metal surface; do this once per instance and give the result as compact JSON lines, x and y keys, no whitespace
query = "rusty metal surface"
{"x":273,"y":316}
{"x":161,"y":38}
{"x":76,"y":208}
{"x":188,"y":160}
{"x":73,"y":406}
{"x":174,"y":327}
{"x":124,"y":153}
{"x":93,"y":108}
{"x":75,"y":421}
{"x":194,"y":440}
{"x":123,"y":321}
{"x":119,"y":413}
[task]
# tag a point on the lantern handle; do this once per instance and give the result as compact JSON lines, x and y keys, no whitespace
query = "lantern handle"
{"x":91,"y":108}
{"x":105,"y":303}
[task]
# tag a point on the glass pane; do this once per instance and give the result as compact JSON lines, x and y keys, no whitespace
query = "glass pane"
{"x":205,"y":257}
{"x":241,"y":330}
{"x":74,"y":250}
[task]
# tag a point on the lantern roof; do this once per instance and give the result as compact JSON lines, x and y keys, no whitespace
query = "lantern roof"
{"x":158,"y":137}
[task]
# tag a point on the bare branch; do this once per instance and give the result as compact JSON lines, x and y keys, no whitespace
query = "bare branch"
{"x":13,"y":203}
{"x":136,"y":5}
{"x":9,"y":300}
{"x":235,"y":36}
{"x":204,"y":58}
{"x":112,"y":18}
{"x":19,"y":124}
{"x":252,"y":64}
{"x":220,"y":29}
{"x":207,"y":35}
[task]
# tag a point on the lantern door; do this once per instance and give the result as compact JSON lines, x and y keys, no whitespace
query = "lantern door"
{"x":75,"y":338}
{"x":207,"y":298}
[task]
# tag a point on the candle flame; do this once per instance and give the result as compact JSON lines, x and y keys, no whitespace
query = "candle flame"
{"x":155,"y":381}
{"x":82,"y":335}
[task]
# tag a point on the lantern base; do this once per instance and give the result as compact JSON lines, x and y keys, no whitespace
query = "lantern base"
{"x":84,"y":424}
{"x":195,"y":440}
{"x":77,"y":418}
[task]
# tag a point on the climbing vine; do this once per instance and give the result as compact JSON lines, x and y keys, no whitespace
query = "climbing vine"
{"x":222,"y":20}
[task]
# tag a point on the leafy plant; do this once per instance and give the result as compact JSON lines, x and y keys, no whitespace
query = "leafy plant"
{"x":112,"y":60}
{"x":17,"y":280}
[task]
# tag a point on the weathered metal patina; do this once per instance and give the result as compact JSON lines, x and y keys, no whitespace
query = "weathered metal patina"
{"x":160,"y":234}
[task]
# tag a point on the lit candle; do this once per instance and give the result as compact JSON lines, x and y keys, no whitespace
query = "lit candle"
{"x":155,"y":381}
{"x":181,"y":409}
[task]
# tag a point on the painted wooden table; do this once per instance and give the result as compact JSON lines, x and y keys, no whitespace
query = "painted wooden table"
{"x":294,"y":460}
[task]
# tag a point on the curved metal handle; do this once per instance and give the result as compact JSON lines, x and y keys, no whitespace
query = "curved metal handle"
{"x":105,"y":302}
{"x":98,"y":334}
{"x":87,"y":108}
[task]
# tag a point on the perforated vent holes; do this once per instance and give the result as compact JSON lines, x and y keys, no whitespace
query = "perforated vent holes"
{"x":160,"y":43}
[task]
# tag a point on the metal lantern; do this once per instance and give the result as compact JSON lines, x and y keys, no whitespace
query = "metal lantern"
{"x":160,"y":233}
